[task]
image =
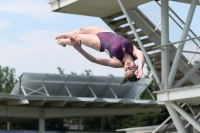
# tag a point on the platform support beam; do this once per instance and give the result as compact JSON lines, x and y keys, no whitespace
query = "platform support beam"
{"x":165,"y":61}
{"x":164,"y":40}
{"x":181,"y":45}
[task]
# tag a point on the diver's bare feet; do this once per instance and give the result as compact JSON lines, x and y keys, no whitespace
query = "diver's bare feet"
{"x":62,"y":36}
{"x":63,"y":42}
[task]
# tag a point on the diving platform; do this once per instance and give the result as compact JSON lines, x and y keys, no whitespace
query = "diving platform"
{"x":94,"y":7}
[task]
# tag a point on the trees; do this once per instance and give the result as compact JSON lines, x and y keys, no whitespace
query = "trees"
{"x":196,"y":62}
{"x":7,"y":83}
{"x":7,"y":79}
{"x":87,"y":72}
{"x":61,"y":70}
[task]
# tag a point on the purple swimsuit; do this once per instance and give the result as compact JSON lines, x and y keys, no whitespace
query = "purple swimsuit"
{"x":115,"y":44}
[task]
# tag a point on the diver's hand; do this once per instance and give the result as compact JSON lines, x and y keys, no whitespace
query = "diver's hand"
{"x":139,"y":73}
{"x":75,"y":44}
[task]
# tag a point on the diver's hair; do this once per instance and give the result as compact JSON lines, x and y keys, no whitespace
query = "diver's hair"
{"x":131,"y":79}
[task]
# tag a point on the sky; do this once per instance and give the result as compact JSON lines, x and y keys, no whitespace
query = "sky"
{"x":28,"y":29}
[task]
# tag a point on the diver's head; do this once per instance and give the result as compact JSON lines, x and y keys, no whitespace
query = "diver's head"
{"x":129,"y":71}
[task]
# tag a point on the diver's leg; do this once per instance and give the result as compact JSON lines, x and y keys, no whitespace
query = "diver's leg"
{"x":85,"y":30}
{"x":88,"y":40}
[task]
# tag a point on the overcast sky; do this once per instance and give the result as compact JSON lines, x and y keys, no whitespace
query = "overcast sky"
{"x":28,"y":29}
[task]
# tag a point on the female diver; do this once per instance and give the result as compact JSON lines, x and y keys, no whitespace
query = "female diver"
{"x":122,"y":53}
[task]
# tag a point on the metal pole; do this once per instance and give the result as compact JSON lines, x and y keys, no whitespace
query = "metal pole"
{"x":188,"y":75}
{"x":191,"y":110}
{"x":176,"y":119}
{"x":169,"y":118}
{"x":165,"y":61}
{"x":79,"y":123}
{"x":184,"y":40}
{"x":181,"y":45}
{"x":195,"y":118}
{"x":140,"y":44}
{"x":181,"y":22}
{"x":192,"y":53}
{"x":10,"y":125}
{"x":150,"y":94}
{"x":41,"y":121}
{"x":186,"y":116}
{"x":165,"y":40}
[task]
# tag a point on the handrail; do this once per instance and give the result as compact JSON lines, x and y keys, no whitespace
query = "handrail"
{"x":176,"y":42}
{"x":179,"y":24}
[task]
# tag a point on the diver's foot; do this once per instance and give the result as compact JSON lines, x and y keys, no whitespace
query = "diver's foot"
{"x":63,"y":42}
{"x":62,"y":36}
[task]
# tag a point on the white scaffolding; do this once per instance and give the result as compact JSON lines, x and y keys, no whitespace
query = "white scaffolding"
{"x":167,"y":74}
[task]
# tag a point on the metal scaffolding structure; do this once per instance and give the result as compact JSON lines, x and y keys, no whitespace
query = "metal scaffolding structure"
{"x":167,"y":74}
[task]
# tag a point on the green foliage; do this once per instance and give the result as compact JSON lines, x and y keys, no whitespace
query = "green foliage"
{"x":87,"y":72}
{"x":148,"y":119}
{"x":50,"y":124}
{"x":113,"y":122}
{"x":196,"y":62}
{"x":61,"y":70}
{"x":91,"y":123}
{"x":30,"y":125}
{"x":148,"y":72}
{"x":55,"y":125}
{"x":111,"y":75}
{"x":126,"y":121}
{"x":73,"y":73}
{"x":3,"y":125}
{"x":153,"y":85}
{"x":120,"y":122}
{"x":7,"y":83}
{"x":7,"y":79}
